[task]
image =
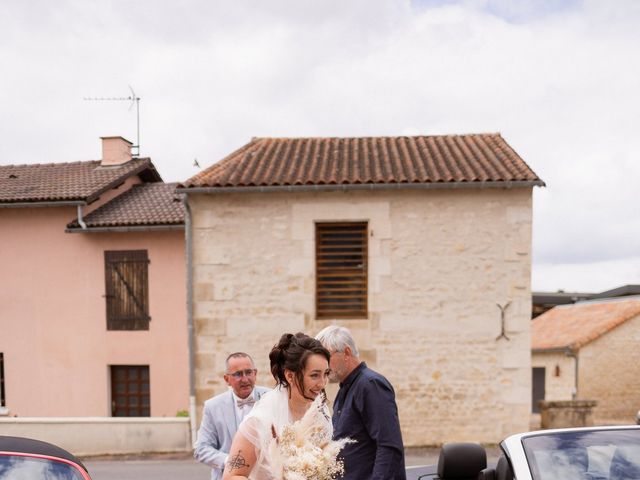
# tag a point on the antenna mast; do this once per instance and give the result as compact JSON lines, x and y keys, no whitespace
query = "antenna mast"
{"x":134,"y":99}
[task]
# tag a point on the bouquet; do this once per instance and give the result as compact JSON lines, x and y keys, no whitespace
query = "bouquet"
{"x":304,"y":450}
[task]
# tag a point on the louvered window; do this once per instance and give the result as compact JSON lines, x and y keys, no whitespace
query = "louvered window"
{"x":3,"y":400}
{"x":341,"y":270}
{"x":127,"y":289}
{"x":130,"y":391}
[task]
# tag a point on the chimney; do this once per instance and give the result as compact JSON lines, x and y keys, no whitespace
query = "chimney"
{"x":115,"y":151}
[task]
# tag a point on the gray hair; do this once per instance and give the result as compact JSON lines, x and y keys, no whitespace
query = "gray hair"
{"x":237,"y":355}
{"x":336,"y":339}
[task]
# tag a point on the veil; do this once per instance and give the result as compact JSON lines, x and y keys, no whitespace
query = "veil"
{"x":271,"y":412}
{"x":267,"y":420}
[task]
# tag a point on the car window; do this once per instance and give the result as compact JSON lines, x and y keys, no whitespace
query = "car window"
{"x":16,"y":467}
{"x":596,"y":455}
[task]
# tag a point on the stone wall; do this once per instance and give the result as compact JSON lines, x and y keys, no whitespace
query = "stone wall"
{"x":84,"y":436}
{"x":610,"y":373}
{"x":440,"y":262}
{"x":566,"y":413}
{"x":559,"y":383}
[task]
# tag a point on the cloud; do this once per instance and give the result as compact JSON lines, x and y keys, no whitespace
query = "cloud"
{"x":587,"y":277}
{"x":557,"y":79}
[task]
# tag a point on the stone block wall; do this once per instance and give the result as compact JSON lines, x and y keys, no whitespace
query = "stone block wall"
{"x":566,"y":413}
{"x":441,"y":264}
{"x":560,"y":374}
{"x":610,"y":373}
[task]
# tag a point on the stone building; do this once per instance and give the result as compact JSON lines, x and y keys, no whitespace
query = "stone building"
{"x":589,"y":350}
{"x":420,"y":245}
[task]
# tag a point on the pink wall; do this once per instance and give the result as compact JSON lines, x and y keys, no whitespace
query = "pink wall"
{"x":53,"y":333}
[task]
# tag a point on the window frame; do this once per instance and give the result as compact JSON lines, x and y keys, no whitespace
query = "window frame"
{"x":342,"y":282}
{"x":142,"y":377}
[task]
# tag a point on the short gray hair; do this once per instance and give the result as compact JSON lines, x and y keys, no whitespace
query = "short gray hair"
{"x":237,"y":355}
{"x":336,"y":339}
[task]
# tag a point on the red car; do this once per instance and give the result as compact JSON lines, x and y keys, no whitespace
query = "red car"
{"x":25,"y":458}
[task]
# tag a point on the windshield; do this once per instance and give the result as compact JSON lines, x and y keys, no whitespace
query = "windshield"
{"x":28,"y":468}
{"x":594,"y":455}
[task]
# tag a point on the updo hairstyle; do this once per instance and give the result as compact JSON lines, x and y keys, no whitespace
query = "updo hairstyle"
{"x":291,"y":353}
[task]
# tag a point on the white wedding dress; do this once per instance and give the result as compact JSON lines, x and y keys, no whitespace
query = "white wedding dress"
{"x":267,"y":417}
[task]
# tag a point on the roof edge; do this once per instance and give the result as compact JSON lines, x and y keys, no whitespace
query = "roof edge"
{"x":566,"y":350}
{"x":122,"y":228}
{"x":578,"y":344}
{"x":146,"y":165}
{"x":362,"y":186}
{"x":48,"y":203}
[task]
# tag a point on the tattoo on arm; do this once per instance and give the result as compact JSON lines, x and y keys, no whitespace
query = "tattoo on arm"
{"x":237,"y":461}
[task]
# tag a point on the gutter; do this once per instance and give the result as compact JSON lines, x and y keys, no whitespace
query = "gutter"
{"x":190,"y":331}
{"x":574,"y":354}
{"x":65,"y":203}
{"x":80,"y":221}
{"x":364,"y":186}
{"x":565,"y":350}
{"x":134,"y":228}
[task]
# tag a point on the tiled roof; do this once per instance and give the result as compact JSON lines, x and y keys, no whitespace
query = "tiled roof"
{"x":447,"y":159}
{"x":573,"y":326}
{"x":76,"y":181}
{"x":142,"y":205}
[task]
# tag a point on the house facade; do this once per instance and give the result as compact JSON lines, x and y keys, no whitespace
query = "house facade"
{"x":92,"y":295}
{"x":420,"y":245}
{"x":589,"y":350}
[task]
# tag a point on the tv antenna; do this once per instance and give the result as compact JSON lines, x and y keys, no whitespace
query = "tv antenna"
{"x":134,"y":99}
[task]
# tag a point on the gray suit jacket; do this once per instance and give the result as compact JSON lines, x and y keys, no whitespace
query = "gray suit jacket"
{"x":219,"y":425}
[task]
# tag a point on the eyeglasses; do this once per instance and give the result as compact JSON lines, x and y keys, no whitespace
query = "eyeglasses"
{"x":243,"y":373}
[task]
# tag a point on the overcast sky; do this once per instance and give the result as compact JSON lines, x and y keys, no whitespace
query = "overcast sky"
{"x":559,"y":80}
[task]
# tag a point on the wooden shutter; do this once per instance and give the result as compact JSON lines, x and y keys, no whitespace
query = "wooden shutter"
{"x":341,"y":270}
{"x":127,"y":289}
{"x":130,"y":391}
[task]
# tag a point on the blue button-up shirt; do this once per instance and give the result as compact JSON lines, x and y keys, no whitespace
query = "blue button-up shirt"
{"x":365,"y":410}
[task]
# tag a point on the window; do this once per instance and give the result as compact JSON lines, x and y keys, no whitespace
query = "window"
{"x":130,"y":395}
{"x":538,"y":390}
{"x":3,"y":399}
{"x":127,"y":289}
{"x":341,"y":270}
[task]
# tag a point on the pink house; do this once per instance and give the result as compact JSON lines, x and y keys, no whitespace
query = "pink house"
{"x":92,"y":290}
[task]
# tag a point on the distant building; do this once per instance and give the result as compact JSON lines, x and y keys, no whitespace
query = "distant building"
{"x":589,"y":350}
{"x":543,"y":301}
{"x":92,"y":291}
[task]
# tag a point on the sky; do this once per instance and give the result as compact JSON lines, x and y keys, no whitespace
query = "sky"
{"x":560,"y":80}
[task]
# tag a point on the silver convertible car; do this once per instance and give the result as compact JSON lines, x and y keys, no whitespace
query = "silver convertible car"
{"x":593,"y":453}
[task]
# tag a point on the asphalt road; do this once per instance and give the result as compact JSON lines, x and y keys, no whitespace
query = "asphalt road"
{"x":183,"y":467}
{"x":147,"y":470}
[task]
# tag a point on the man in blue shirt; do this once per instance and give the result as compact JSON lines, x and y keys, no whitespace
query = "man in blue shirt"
{"x":364,"y":410}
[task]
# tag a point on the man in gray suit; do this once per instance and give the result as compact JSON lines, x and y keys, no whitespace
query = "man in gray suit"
{"x":223,"y":413}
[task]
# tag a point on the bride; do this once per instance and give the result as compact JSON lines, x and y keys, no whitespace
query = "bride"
{"x":300,"y":365}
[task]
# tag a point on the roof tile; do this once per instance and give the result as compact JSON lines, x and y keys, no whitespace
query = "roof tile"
{"x":74,"y":181}
{"x":573,"y":326}
{"x":142,"y":205}
{"x":269,"y":162}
